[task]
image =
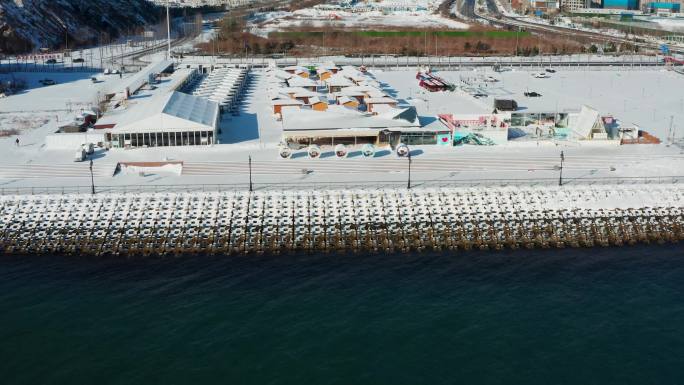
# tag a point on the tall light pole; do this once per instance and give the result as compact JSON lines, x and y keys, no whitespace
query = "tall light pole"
{"x":560,"y":178}
{"x":168,"y":31}
{"x":409,"y":170}
{"x":251,"y":188}
{"x":92,"y":179}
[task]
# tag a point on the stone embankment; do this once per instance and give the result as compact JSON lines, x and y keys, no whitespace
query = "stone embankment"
{"x":375,"y":221}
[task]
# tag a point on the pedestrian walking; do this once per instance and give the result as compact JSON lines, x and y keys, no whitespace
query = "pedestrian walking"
{"x":17,"y":142}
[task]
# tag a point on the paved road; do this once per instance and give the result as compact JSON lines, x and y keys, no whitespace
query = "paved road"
{"x":49,"y":171}
{"x":495,"y":17}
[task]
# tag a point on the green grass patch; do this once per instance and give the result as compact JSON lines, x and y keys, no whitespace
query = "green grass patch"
{"x":454,"y":34}
{"x":590,"y":15}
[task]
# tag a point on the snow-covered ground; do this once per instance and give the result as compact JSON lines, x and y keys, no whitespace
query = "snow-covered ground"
{"x":366,"y":14}
{"x":73,"y":90}
{"x":112,"y":56}
{"x":674,"y":24}
{"x":645,"y":97}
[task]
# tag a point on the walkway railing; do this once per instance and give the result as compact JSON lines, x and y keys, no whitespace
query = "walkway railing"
{"x":442,"y":62}
{"x":309,"y":185}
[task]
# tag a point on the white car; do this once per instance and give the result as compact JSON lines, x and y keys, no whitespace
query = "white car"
{"x":541,"y":75}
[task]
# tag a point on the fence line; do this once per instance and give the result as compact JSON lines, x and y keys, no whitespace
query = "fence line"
{"x":371,"y":185}
{"x":38,"y":67}
{"x":441,"y":61}
{"x":384,"y":62}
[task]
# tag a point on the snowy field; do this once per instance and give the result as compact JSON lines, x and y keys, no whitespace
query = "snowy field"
{"x":72,"y":90}
{"x":106,"y":56}
{"x":669,"y":23}
{"x":417,"y":14}
{"x":648,"y":98}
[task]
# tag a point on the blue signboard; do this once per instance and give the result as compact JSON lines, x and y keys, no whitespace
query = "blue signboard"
{"x":665,"y":49}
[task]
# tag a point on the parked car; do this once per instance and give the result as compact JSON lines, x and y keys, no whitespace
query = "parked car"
{"x":78,"y":60}
{"x":51,"y":61}
{"x":47,"y":82}
{"x":505,"y":104}
{"x":551,"y":70}
{"x":532,"y":94}
{"x":541,"y":75}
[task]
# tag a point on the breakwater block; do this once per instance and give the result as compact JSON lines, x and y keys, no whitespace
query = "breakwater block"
{"x":375,"y":221}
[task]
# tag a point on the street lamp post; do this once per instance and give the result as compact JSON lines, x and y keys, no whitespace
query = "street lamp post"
{"x":560,"y":178}
{"x":409,"y":170}
{"x":92,"y":178}
{"x":250,"y":174}
{"x":168,"y":31}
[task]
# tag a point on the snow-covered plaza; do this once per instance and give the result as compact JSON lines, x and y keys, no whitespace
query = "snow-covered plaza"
{"x":650,"y":99}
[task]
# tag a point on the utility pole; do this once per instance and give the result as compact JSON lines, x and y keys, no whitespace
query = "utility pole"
{"x":168,"y":30}
{"x":92,"y":178}
{"x":427,"y":54}
{"x":560,"y":178}
{"x":409,"y":170}
{"x":250,"y":174}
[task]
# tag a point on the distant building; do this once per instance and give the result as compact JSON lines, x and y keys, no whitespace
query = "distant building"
{"x":344,"y":125}
{"x":664,"y":6}
{"x":621,"y":4}
{"x":573,"y":5}
{"x":227,"y":4}
{"x":545,"y":6}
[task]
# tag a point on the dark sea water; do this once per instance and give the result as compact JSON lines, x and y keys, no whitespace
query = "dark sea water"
{"x":587,"y":316}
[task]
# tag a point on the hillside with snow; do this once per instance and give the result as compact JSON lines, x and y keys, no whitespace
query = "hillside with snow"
{"x":29,"y":24}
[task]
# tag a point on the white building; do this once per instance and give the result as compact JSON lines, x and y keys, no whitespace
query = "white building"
{"x":573,"y":5}
{"x":168,"y":119}
{"x":339,"y":125}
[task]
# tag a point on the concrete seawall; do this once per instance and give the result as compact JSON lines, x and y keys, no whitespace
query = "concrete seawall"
{"x":384,"y":220}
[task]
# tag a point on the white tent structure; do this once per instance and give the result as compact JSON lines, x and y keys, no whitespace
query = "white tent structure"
{"x":132,"y":84}
{"x":586,"y":124}
{"x":224,"y":86}
{"x":168,"y":119}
